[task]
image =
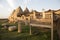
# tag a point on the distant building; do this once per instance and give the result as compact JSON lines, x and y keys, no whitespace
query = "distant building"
{"x":19,"y":14}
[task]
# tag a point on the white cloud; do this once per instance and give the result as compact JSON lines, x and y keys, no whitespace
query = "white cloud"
{"x":11,"y":3}
{"x":1,"y":6}
{"x":26,"y":2}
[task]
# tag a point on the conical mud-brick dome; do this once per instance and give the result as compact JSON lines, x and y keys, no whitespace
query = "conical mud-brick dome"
{"x":26,"y":11}
{"x":11,"y":17}
{"x":19,"y":11}
{"x":13,"y":12}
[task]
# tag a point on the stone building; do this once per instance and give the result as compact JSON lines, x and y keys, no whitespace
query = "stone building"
{"x":19,"y":14}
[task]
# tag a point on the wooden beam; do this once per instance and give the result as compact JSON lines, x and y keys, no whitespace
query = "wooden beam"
{"x":30,"y":31}
{"x":40,"y":25}
{"x":19,"y":27}
{"x":52,"y":26}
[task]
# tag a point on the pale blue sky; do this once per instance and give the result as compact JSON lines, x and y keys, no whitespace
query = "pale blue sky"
{"x":7,"y":6}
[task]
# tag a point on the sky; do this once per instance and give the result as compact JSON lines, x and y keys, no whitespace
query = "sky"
{"x":7,"y":6}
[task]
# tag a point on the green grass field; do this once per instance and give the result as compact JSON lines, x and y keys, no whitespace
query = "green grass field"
{"x":37,"y":34}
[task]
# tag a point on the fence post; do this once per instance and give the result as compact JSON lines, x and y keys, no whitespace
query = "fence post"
{"x":30,"y":31}
{"x":52,"y":26}
{"x":30,"y":26}
{"x":19,"y":27}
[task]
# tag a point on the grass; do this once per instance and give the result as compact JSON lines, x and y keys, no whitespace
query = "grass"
{"x":37,"y":34}
{"x":24,"y":35}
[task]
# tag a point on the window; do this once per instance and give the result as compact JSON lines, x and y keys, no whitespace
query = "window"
{"x":26,"y":18}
